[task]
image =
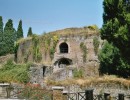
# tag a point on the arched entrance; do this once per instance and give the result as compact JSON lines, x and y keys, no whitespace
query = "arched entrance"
{"x":63,"y":48}
{"x":63,"y":62}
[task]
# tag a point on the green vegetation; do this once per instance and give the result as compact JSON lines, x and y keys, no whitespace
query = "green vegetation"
{"x":11,"y":72}
{"x":29,"y":32}
{"x":16,"y":45}
{"x":37,"y":56}
{"x":78,"y":73}
{"x":34,"y":92}
{"x":84,"y":50}
{"x":1,"y":37}
{"x":116,"y":29}
{"x":111,"y":61}
{"x":1,"y":29}
{"x":8,"y":36}
{"x":55,"y":39}
{"x":96,"y":43}
{"x":20,"y":30}
{"x":93,"y":27}
{"x":49,"y":41}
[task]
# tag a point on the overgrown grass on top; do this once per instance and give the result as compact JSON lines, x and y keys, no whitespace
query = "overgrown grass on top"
{"x":11,"y":72}
{"x":83,"y":82}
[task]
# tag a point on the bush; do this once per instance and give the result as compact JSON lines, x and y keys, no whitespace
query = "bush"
{"x":96,"y":43}
{"x":34,"y":92}
{"x":84,"y":50}
{"x":11,"y":72}
{"x":78,"y":73}
{"x":112,"y":62}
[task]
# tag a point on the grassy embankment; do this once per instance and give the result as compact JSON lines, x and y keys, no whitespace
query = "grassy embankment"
{"x":11,"y":72}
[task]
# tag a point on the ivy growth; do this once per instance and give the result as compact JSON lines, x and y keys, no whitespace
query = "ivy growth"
{"x":36,"y":49}
{"x":96,"y":44}
{"x":84,"y":50}
{"x":16,"y":45}
{"x":55,"y":39}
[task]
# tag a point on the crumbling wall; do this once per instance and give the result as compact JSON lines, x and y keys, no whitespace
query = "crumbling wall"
{"x":49,"y":51}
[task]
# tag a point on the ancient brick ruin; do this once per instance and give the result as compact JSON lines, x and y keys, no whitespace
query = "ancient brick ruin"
{"x":69,"y":55}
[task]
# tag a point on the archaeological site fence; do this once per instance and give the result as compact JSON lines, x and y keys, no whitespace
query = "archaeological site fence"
{"x":27,"y":94}
{"x":58,"y":93}
{"x":88,"y":95}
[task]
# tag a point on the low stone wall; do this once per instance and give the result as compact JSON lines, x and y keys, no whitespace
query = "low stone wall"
{"x":112,"y":88}
{"x":111,"y":91}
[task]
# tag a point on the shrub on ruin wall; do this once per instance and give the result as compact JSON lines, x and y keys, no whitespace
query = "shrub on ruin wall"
{"x":78,"y":73}
{"x":37,"y":56}
{"x":84,"y":50}
{"x":55,"y":39}
{"x":96,"y":43}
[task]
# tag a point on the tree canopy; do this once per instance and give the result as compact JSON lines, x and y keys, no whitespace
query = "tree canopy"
{"x":20,"y":30}
{"x":9,"y":37}
{"x":116,"y":30}
{"x":116,"y":25}
{"x":30,"y":32}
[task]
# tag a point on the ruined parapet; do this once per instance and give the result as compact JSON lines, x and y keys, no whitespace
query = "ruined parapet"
{"x":63,"y":73}
{"x":38,"y":72}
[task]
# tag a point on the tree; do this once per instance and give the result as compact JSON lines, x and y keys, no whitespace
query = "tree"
{"x":116,"y":25}
{"x":1,"y":37}
{"x":1,"y":29}
{"x":116,"y":30}
{"x":20,"y":30}
{"x":9,"y":37}
{"x":29,"y":32}
{"x":111,"y":61}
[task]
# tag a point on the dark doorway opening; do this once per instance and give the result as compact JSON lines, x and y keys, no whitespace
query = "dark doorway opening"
{"x":44,"y":69}
{"x":63,"y":48}
{"x":64,"y":62}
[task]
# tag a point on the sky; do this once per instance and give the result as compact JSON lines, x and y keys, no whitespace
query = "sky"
{"x":50,"y":15}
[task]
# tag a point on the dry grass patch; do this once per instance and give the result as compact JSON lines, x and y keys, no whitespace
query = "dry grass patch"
{"x":22,"y":40}
{"x":91,"y":80}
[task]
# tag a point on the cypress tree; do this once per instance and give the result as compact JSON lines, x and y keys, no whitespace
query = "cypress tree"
{"x":1,"y":37}
{"x":1,"y":29}
{"x":29,"y":32}
{"x":116,"y":30}
{"x":20,"y":30}
{"x":9,"y":37}
{"x":116,"y":25}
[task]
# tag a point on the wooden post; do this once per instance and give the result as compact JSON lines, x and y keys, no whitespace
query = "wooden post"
{"x":89,"y":94}
{"x":120,"y":96}
{"x":57,"y":93}
{"x":107,"y":96}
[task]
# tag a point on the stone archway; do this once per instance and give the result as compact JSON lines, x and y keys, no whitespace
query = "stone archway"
{"x":63,"y":47}
{"x":63,"y":62}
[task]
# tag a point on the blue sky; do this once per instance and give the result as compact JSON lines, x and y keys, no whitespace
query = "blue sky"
{"x":51,"y":15}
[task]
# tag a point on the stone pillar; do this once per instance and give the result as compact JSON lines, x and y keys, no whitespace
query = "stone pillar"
{"x":121,"y":96}
{"x":107,"y":96}
{"x":65,"y":95}
{"x":89,"y":94}
{"x":57,"y":93}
